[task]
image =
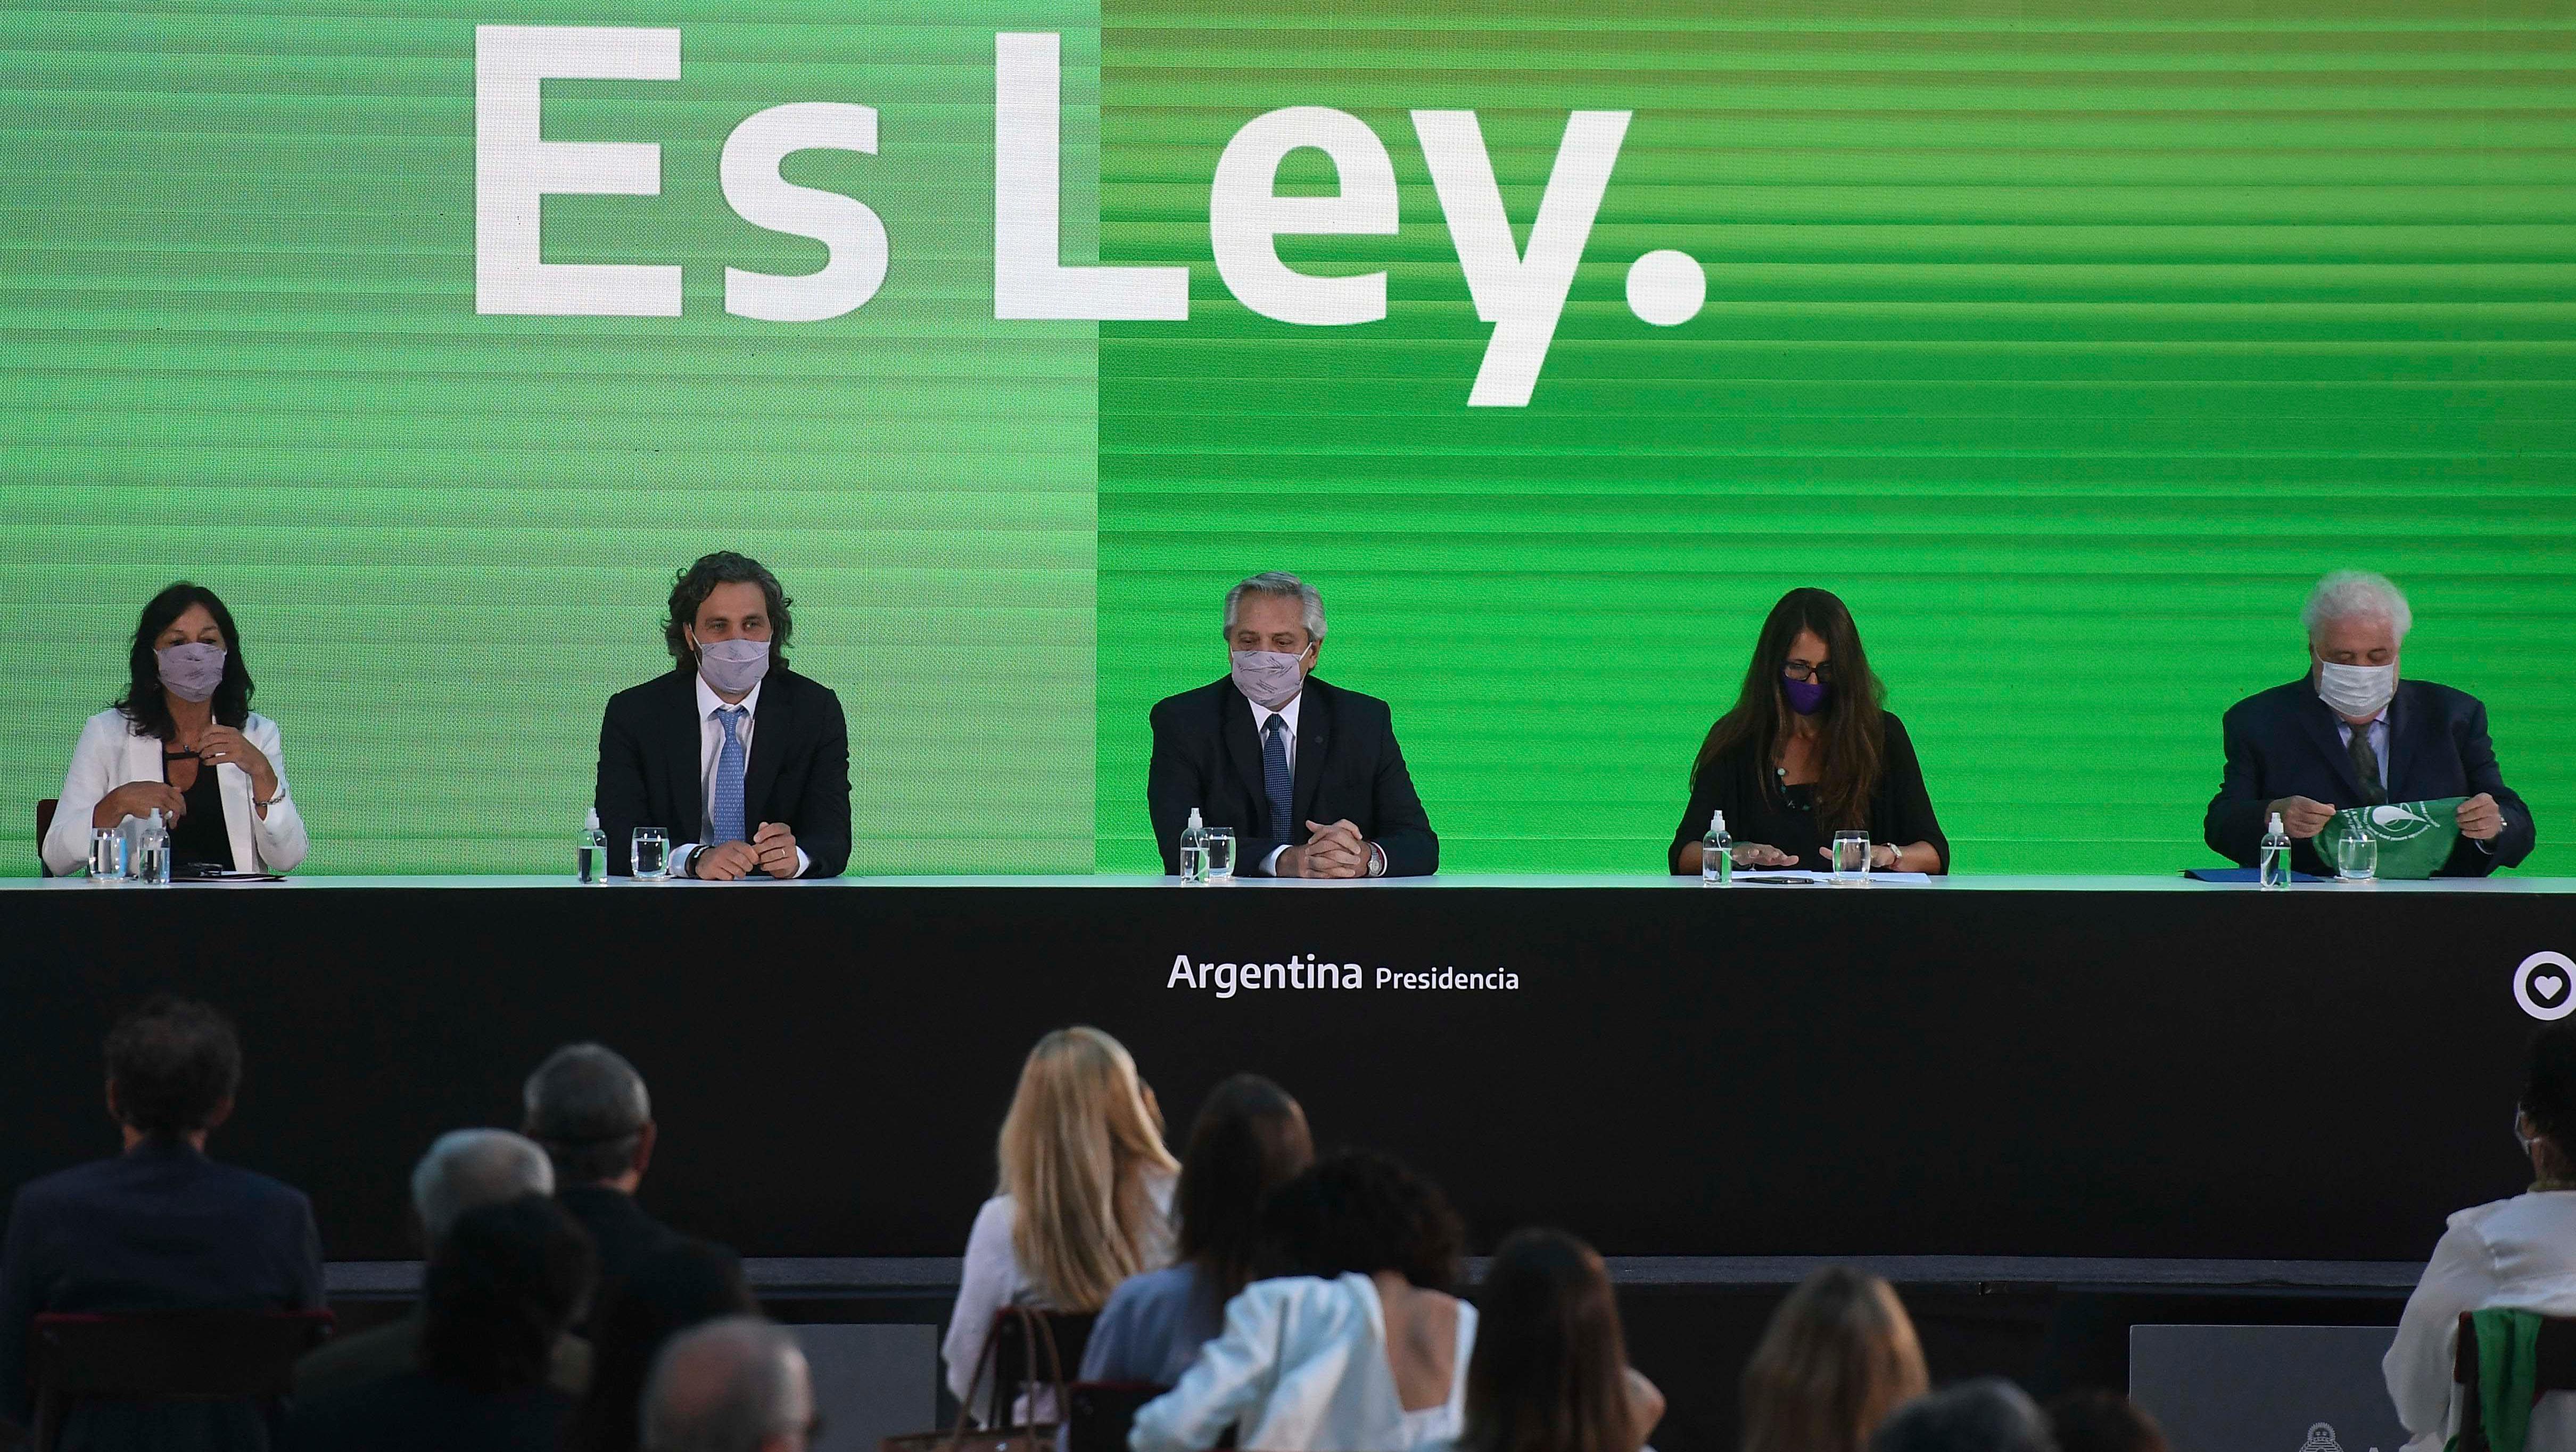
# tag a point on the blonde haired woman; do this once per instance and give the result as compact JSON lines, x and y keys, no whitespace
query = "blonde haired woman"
{"x":1838,"y":1357}
{"x":1086,"y":1194}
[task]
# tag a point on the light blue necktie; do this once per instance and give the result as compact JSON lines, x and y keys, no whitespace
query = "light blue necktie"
{"x":1274,"y":775}
{"x":724,"y":814}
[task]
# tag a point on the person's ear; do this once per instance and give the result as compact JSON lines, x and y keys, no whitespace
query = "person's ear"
{"x":644,"y":1146}
{"x":223,"y":1110}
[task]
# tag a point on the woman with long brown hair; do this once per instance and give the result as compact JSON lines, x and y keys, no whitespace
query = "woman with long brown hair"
{"x":1810,"y":749}
{"x":1085,"y":1199}
{"x":1837,"y":1358}
{"x":1550,"y":1372}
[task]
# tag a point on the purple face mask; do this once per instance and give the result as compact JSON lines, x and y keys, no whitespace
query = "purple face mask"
{"x":1806,"y":697}
{"x":191,"y":671}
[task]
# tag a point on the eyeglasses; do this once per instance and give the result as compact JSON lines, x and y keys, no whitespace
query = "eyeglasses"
{"x":1798,"y":670}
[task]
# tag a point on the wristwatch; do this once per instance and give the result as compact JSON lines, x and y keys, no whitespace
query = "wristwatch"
{"x":1895,"y":855}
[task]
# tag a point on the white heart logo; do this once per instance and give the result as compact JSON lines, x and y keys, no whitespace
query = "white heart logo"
{"x":2547,"y":985}
{"x":2542,"y":992}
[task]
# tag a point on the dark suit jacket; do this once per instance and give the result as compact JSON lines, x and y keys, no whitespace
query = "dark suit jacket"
{"x":160,"y":1228}
{"x":799,"y":771}
{"x":1207,"y":755}
{"x":618,"y":1226}
{"x":2283,"y":743}
{"x":345,"y":1363}
{"x":417,"y":1412}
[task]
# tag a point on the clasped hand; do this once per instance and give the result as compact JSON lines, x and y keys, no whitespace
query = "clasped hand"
{"x":772,"y":849}
{"x":1332,"y":850}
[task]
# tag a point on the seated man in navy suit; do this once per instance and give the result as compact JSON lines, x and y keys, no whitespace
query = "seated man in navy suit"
{"x":1307,"y":774}
{"x":2350,"y":733}
{"x":160,"y":1227}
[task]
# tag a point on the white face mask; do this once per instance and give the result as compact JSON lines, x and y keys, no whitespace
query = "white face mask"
{"x":1269,"y":677}
{"x":2356,"y":692}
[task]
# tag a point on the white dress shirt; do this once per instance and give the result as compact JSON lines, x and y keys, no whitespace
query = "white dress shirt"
{"x":710,"y":747}
{"x":993,"y":1278}
{"x":1302,"y":1367}
{"x":2518,"y":1253}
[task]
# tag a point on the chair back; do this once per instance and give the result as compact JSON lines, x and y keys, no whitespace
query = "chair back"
{"x":1020,"y":1369}
{"x":44,"y":824}
{"x":164,"y":1356}
{"x":2553,"y":1370}
{"x":1103,"y":1411}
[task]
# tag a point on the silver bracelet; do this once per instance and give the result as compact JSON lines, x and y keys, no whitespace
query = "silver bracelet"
{"x":272,"y":801}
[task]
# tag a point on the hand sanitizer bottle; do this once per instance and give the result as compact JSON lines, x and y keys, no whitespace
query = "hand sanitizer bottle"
{"x":2275,"y":871}
{"x":590,"y":862}
{"x":1194,"y":849}
{"x":152,"y":851}
{"x":1716,"y":854}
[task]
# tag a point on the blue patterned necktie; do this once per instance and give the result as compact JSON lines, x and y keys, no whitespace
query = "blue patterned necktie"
{"x":724,"y":814}
{"x":1274,"y":774}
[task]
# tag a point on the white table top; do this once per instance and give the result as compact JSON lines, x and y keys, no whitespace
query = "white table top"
{"x":1445,"y":882}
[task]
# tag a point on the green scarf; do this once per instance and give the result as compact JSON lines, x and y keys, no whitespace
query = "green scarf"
{"x":2508,"y":1365}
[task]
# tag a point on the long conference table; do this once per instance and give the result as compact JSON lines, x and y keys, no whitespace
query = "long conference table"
{"x":2143,"y":1068}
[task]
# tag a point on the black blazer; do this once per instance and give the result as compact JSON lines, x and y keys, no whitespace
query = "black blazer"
{"x":158,"y":1228}
{"x":1207,"y":755}
{"x":2283,"y":743}
{"x":1742,"y":785}
{"x":799,"y":771}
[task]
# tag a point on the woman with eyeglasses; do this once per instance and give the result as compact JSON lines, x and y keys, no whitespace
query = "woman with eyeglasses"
{"x":1808,"y":751}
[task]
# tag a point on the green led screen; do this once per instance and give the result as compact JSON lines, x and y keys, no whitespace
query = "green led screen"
{"x":2069,"y":343}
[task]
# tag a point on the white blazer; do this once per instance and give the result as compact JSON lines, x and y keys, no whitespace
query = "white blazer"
{"x":2518,"y":1253}
{"x":1302,"y":1368}
{"x":110,"y":755}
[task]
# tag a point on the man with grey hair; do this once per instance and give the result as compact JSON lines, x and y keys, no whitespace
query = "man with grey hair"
{"x":1308,"y":775}
{"x":590,"y":1110}
{"x":465,"y":1169}
{"x":2350,"y":733}
{"x":738,"y":1384}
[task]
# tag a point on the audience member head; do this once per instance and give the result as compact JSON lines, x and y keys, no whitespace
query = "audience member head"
{"x":588,"y":1107}
{"x":1360,"y":1211}
{"x":173,"y":1066}
{"x":1838,"y":1356}
{"x":1985,"y":1415}
{"x":501,"y":1288}
{"x":467,"y":1169}
{"x":1550,"y":1369}
{"x":665,"y":1294}
{"x":2102,"y":1421}
{"x":2546,"y":1116}
{"x":1249,"y":1139}
{"x":1081,"y":1137}
{"x":733,"y":1385}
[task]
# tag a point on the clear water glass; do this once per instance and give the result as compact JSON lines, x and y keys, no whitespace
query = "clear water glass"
{"x":651,"y":848}
{"x":1220,"y":853}
{"x":1851,"y":857}
{"x":2357,"y":857}
{"x":106,"y":855}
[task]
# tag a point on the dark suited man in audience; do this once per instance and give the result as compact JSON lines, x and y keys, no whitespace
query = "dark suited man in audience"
{"x":679,"y":751}
{"x":1307,"y":774}
{"x":2350,"y":733}
{"x":589,"y":1108}
{"x":465,"y":1169}
{"x":159,"y":1227}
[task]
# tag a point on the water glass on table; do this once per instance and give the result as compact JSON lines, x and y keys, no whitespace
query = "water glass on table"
{"x":1851,"y":857}
{"x":2356,"y":857}
{"x":651,"y":858}
{"x":107,"y":855}
{"x":1220,"y":853}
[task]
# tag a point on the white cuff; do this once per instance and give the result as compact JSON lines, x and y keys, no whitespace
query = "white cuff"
{"x":1270,"y":864}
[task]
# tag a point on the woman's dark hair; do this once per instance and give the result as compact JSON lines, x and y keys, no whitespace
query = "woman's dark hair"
{"x":1851,"y":728}
{"x":2103,"y":1421}
{"x":143,"y":703}
{"x":173,"y":1062}
{"x":2549,"y":1086}
{"x":500,"y":1291}
{"x":1550,"y":1369}
{"x":1359,"y":1211}
{"x":1249,"y":1139}
{"x":665,"y":1294}
{"x":692,"y":586}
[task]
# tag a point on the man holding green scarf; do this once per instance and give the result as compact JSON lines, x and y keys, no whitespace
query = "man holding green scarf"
{"x":2517,"y":1254}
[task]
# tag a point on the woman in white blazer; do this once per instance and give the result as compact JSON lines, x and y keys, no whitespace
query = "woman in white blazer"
{"x":184,"y":741}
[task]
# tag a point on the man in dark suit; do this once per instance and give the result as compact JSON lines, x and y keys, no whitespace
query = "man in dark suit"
{"x":588,"y":1107}
{"x":2350,"y":733}
{"x":678,"y":752}
{"x":1307,"y":774}
{"x":160,"y":1227}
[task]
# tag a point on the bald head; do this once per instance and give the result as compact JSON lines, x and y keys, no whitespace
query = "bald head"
{"x":738,"y":1384}
{"x":467,"y":1169}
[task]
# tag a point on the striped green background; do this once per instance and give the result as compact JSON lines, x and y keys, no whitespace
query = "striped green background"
{"x":2069,"y":342}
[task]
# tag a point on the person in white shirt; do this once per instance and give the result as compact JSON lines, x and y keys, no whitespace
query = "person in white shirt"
{"x":2518,"y":1253}
{"x":184,"y":742}
{"x":1355,"y":1345}
{"x":1085,"y":1199}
